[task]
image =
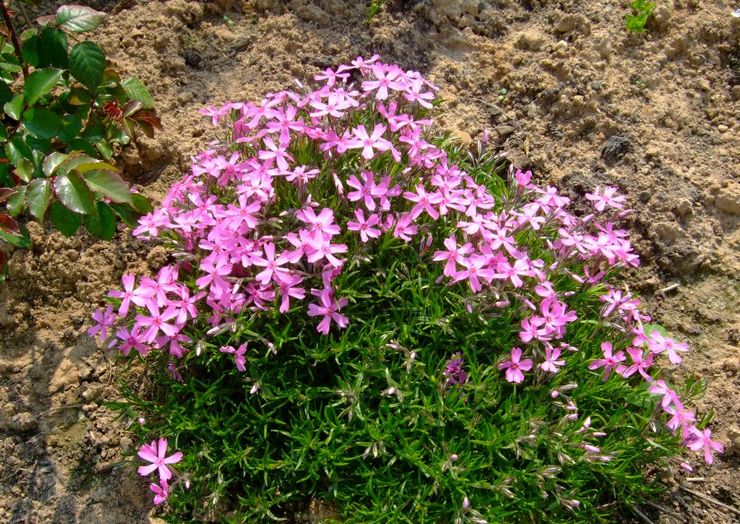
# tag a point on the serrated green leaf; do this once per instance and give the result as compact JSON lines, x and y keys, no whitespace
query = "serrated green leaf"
{"x":87,"y":64}
{"x":24,"y":170}
{"x":103,"y":225}
{"x":30,"y":50}
{"x":141,"y":203}
{"x":17,"y":149}
{"x":38,"y":196}
{"x":52,"y":50}
{"x":14,"y":107}
{"x":78,"y":18}
{"x":136,"y":90}
{"x":74,"y":194}
{"x":109,"y":184}
{"x":42,"y":123}
{"x":17,"y":202}
{"x":40,"y":83}
{"x":64,"y":220}
{"x":127,"y":214}
{"x":52,"y":162}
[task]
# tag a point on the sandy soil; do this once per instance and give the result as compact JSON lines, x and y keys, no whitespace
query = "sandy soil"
{"x":562,"y":86}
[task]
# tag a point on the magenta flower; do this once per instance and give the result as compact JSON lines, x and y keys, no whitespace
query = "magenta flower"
{"x":161,"y":491}
{"x":608,"y":198}
{"x":239,"y":355}
{"x":657,"y":343}
{"x":551,"y":363}
{"x":104,"y":320}
{"x":156,"y":454}
{"x":703,"y":440}
{"x":367,"y":227}
{"x":329,"y":310}
{"x":515,"y":366}
{"x":454,"y":371}
{"x":369,"y":143}
{"x":609,"y":362}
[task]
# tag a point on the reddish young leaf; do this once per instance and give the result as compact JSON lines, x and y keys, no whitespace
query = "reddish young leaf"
{"x":9,"y":224}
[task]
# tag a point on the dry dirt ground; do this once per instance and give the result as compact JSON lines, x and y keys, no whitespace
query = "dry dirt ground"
{"x":563,"y":87}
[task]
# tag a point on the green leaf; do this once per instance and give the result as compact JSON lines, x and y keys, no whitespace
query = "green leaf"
{"x":39,"y":83}
{"x":52,"y":162}
{"x":14,"y":233}
{"x":38,"y":196}
{"x":14,"y":107}
{"x":52,"y":49}
{"x":72,"y":128}
{"x":141,"y":203}
{"x":74,"y":194}
{"x":24,"y":170}
{"x":105,"y":149}
{"x":104,"y":224}
{"x":87,"y":64}
{"x":17,"y":202}
{"x":108,"y":183}
{"x":6,"y":95}
{"x":66,"y":222}
{"x":42,"y":123}
{"x":78,"y":18}
{"x":30,"y":50}
{"x":127,"y":213}
{"x":136,"y":90}
{"x":17,"y":149}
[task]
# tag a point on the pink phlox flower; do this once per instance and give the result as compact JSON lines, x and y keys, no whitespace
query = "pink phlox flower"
{"x":640,"y":364}
{"x":365,"y":227}
{"x":302,"y":175}
{"x":270,"y":263}
{"x":330,"y":76}
{"x":275,"y":153}
{"x":157,"y":321}
{"x":323,"y":223}
{"x":127,"y":295}
{"x":475,"y":269}
{"x":156,"y":454}
{"x":657,"y":343}
{"x":369,"y":142}
{"x":512,"y":272}
{"x":104,"y":320}
{"x":515,"y":366}
{"x":328,"y":308}
{"x":534,"y":328}
{"x":215,"y":267}
{"x":161,"y":491}
{"x":363,"y":190}
{"x":130,"y":340}
{"x":454,"y":372}
{"x":551,"y":362}
{"x":386,"y":77}
{"x":318,"y":249}
{"x":335,"y":106}
{"x":545,"y":289}
{"x":609,"y":362}
{"x":425,"y":202}
{"x":556,"y":314}
{"x":239,"y":355}
{"x":523,"y":178}
{"x":454,"y":255}
{"x":403,"y":227}
{"x":670,"y":397}
{"x":284,"y":121}
{"x":288,"y":283}
{"x":703,"y":440}
{"x":681,"y":417}
{"x":608,"y":198}
{"x":175,"y":342}
{"x":151,"y":223}
{"x":186,"y":304}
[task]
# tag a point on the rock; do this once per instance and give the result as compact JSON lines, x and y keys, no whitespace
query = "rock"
{"x":462,"y":136}
{"x":573,"y":23}
{"x":728,"y":201}
{"x":126,"y":443}
{"x":615,"y":148}
{"x":667,"y":231}
{"x":683,"y":208}
{"x":660,"y":16}
{"x":505,"y":131}
{"x":23,"y":422}
{"x":722,"y":128}
{"x":734,"y":438}
{"x":531,"y":40}
{"x":735,"y":92}
{"x":441,"y":10}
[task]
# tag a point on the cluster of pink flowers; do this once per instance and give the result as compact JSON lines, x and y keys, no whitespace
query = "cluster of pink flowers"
{"x":156,"y":454}
{"x":256,"y":230}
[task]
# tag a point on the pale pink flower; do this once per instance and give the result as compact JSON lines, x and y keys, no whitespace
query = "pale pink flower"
{"x":515,"y":366}
{"x":156,"y":454}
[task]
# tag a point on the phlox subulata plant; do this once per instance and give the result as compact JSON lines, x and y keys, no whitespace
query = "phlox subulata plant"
{"x":360,"y":312}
